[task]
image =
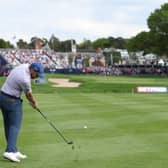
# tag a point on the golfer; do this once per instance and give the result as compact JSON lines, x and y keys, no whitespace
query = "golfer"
{"x":18,"y":81}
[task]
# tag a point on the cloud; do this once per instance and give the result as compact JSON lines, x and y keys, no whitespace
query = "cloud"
{"x":75,"y":19}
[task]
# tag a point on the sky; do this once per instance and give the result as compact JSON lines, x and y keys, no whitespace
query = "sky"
{"x":74,"y":19}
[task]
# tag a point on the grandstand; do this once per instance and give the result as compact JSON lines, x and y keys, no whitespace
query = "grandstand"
{"x":57,"y":62}
{"x":52,"y":61}
{"x":16,"y":57}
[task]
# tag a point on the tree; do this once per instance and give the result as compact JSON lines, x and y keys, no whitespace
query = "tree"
{"x":5,"y":44}
{"x":156,"y":40}
{"x":158,"y":25}
{"x":54,"y":43}
{"x":86,"y":44}
{"x":22,"y":44}
{"x":141,"y":42}
{"x":65,"y":46}
{"x":100,"y":43}
{"x":118,"y":43}
{"x":116,"y":57}
{"x":158,"y":20}
{"x":31,"y":45}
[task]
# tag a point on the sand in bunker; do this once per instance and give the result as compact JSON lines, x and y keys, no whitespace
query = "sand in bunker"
{"x":63,"y":82}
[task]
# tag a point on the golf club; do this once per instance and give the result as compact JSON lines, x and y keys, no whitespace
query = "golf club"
{"x":68,"y":142}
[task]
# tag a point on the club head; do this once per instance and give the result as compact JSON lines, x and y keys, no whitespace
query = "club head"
{"x":70,"y":143}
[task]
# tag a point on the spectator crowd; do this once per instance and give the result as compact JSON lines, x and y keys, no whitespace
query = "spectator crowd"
{"x":59,"y":62}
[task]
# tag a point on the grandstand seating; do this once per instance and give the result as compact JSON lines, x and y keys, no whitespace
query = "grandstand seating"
{"x":55,"y":62}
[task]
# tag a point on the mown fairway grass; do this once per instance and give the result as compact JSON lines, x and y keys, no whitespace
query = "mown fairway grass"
{"x":124,"y":129}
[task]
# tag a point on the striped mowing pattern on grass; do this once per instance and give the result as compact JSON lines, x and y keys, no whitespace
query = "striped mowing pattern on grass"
{"x":124,"y":130}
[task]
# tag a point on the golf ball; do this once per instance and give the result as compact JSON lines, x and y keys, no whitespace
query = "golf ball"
{"x":85,"y":126}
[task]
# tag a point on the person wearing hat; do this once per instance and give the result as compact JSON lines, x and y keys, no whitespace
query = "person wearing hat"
{"x":18,"y":81}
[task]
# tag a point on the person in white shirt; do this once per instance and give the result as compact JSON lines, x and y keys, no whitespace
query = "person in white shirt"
{"x":18,"y":81}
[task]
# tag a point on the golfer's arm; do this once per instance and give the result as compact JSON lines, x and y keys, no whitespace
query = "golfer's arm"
{"x":31,"y":99}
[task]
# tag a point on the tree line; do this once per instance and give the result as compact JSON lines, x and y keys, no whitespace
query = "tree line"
{"x":153,"y":41}
{"x":65,"y":46}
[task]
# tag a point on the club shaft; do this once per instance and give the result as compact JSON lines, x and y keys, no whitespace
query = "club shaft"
{"x":52,"y":125}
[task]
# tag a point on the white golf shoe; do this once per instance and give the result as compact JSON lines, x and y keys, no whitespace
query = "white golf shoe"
{"x":20,"y":155}
{"x":10,"y":156}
